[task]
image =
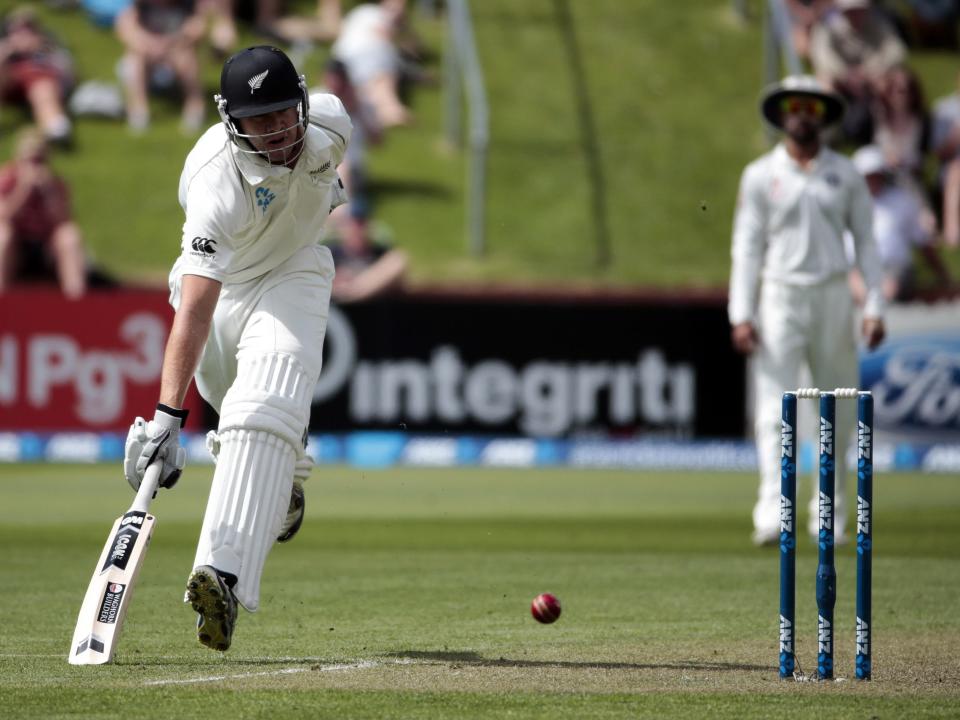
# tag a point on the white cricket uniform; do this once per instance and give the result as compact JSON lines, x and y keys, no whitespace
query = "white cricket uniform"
{"x":789,"y":278}
{"x":256,"y":228}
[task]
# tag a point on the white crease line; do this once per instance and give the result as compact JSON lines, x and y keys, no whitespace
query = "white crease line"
{"x":362,"y":665}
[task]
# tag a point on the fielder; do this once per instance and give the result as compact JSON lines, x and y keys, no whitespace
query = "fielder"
{"x":790,"y":305}
{"x":251,"y":290}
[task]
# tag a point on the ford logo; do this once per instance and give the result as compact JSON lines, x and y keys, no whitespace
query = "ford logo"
{"x":916,"y":385}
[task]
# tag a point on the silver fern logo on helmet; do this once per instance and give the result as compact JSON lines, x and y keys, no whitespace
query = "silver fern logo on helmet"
{"x":257,"y":80}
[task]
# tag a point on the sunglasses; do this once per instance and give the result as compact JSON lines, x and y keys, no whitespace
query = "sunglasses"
{"x":797,"y":105}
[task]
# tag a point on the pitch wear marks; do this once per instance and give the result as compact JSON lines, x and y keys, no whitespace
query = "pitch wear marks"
{"x":110,"y":605}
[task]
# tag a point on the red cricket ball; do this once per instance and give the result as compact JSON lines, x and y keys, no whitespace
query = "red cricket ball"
{"x":545,"y":608}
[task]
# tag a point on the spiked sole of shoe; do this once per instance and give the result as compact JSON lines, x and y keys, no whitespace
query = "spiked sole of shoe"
{"x":206,"y":597}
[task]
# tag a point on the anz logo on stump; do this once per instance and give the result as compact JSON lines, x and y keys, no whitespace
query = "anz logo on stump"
{"x":916,"y":385}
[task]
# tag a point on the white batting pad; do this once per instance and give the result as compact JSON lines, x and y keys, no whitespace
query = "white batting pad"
{"x":262,"y":420}
{"x":272,"y":392}
{"x":248,"y":502}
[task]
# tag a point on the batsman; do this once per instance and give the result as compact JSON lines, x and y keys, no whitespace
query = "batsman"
{"x":251,"y":290}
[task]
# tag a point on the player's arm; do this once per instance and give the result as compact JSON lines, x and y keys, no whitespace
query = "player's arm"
{"x":385,"y":274}
{"x":159,"y":440}
{"x":868,"y":262}
{"x":749,"y":243}
{"x":191,"y":327}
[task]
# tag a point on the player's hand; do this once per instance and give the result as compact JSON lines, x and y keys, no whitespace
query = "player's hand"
{"x":744,"y":338}
{"x":155,"y":441}
{"x":873,"y":332}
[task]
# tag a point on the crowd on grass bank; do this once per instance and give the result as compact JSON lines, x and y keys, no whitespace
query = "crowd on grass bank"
{"x":907,"y":148}
{"x":374,"y":59}
{"x":861,"y":49}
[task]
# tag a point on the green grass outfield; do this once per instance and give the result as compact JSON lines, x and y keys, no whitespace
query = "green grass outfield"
{"x":406,"y":595}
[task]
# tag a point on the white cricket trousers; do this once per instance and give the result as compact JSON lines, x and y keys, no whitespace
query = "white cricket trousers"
{"x":801,"y":326}
{"x":259,"y":369}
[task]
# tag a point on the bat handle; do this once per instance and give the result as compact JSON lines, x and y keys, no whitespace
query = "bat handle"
{"x":148,"y":488}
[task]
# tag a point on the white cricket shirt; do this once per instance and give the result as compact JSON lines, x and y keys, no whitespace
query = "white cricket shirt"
{"x":244,"y":217}
{"x":789,"y":227}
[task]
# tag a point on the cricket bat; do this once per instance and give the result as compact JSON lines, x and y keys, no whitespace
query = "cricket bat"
{"x":111,"y":587}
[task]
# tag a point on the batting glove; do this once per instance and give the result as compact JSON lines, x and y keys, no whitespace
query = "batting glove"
{"x":157,"y":440}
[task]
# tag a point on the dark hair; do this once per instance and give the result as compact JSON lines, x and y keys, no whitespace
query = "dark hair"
{"x":917,"y":102}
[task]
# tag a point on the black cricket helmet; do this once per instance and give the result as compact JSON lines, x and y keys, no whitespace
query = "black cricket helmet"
{"x":257,"y":81}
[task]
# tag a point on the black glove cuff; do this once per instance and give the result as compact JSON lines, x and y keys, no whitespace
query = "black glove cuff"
{"x":180,"y":413}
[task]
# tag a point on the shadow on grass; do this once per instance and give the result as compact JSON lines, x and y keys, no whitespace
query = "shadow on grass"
{"x":472,"y":658}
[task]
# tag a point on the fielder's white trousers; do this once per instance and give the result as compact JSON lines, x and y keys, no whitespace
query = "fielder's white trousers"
{"x":812,"y":327}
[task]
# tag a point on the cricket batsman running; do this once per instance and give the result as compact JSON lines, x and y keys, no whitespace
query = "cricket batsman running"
{"x":251,"y":290}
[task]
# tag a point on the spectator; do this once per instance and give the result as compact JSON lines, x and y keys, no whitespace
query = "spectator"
{"x":804,"y":15}
{"x":366,"y":129}
{"x":850,"y":51}
{"x":898,"y":229}
{"x":902,"y":127}
{"x":160,"y":37}
{"x":945,"y":133}
{"x":790,"y":305}
{"x":951,"y":204}
{"x":103,"y":13}
{"x":38,"y":237}
{"x":366,"y":267}
{"x":367,"y":46}
{"x":322,"y":26}
{"x":223,"y":30}
{"x":36,"y":72}
{"x":928,"y":23}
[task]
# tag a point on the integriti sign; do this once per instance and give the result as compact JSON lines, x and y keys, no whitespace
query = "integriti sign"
{"x":537,"y":369}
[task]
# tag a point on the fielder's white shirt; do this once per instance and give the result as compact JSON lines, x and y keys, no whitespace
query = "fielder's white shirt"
{"x":789,"y":227}
{"x":245,"y":217}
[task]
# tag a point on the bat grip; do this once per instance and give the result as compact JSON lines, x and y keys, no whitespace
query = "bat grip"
{"x":148,"y":488}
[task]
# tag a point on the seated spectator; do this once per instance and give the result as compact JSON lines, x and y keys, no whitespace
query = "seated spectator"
{"x":161,"y":36}
{"x":367,"y":46}
{"x":38,"y":237}
{"x":366,"y":267}
{"x":850,"y":51}
{"x":951,"y":203}
{"x":223,"y":29}
{"x":898,"y":229}
{"x":321,"y":26}
{"x":928,"y":23}
{"x":804,"y":15}
{"x":36,"y":73}
{"x":945,"y":132}
{"x":103,"y":13}
{"x":366,"y":130}
{"x":902,"y":126}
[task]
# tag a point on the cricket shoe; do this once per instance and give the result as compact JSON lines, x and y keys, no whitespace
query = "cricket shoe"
{"x":215,"y":606}
{"x":295,"y":512}
{"x":765,"y":538}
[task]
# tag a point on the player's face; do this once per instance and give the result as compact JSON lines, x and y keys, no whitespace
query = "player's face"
{"x":276,"y":135}
{"x":802,"y":117}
